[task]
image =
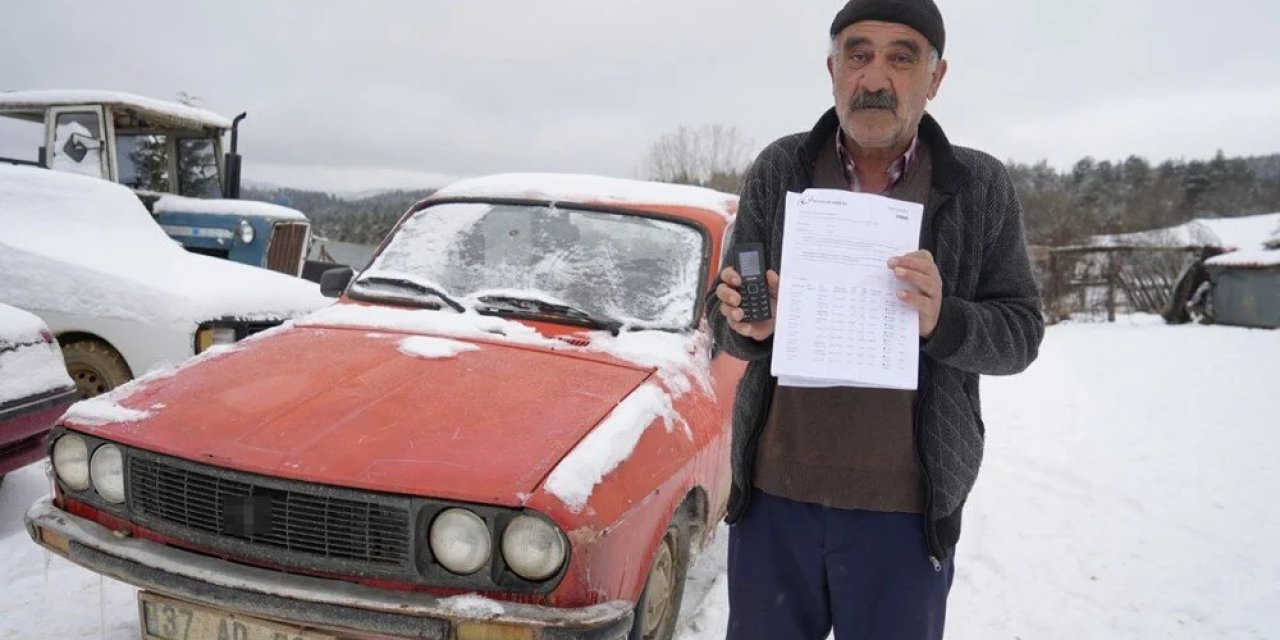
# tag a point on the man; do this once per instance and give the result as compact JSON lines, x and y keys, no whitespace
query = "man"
{"x":846,"y":502}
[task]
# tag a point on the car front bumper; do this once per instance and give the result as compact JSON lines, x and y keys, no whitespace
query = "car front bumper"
{"x":330,"y":606}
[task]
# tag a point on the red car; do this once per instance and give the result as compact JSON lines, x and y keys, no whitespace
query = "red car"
{"x":34,"y":387}
{"x":511,"y":425}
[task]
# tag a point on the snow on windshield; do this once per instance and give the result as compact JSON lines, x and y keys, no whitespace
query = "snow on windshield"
{"x":630,"y":268}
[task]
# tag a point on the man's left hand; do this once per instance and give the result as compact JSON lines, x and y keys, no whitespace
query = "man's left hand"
{"x":918,"y":269}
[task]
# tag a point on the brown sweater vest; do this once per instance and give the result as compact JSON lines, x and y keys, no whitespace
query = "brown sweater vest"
{"x":848,"y":448}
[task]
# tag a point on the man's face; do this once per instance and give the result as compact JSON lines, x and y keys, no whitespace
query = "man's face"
{"x":881,"y":80}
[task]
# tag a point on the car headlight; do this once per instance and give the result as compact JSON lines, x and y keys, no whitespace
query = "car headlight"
{"x":460,"y":541}
{"x":533,"y":548}
{"x":71,"y":461}
{"x":106,"y":469}
{"x":246,"y":232}
{"x":209,"y":336}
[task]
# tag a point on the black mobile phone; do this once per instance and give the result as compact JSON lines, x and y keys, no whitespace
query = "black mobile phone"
{"x":752,"y":265}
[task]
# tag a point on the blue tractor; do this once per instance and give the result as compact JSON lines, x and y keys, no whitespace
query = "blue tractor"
{"x":172,"y":156}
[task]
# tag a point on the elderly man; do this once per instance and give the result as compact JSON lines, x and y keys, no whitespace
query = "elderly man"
{"x":846,"y":502}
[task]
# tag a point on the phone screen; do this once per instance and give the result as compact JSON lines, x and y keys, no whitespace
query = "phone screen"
{"x":749,"y":262}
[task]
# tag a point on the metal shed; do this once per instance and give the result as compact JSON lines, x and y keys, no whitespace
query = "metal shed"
{"x":1246,"y":287}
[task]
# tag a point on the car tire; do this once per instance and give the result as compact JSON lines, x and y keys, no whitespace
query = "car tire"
{"x":95,"y":367}
{"x":659,"y":605}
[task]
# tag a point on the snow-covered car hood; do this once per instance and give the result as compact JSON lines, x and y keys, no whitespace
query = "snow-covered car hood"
{"x":84,"y":246}
{"x":30,"y":363}
{"x":465,"y":419}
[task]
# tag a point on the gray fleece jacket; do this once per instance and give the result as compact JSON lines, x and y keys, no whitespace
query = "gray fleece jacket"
{"x":990,"y":322}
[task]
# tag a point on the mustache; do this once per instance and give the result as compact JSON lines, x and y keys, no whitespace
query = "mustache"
{"x":874,"y":100}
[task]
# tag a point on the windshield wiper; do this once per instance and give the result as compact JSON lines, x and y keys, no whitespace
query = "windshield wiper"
{"x":530,"y":305}
{"x":418,"y":287}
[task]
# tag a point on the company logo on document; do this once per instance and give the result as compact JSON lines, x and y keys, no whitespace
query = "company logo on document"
{"x":809,"y":198}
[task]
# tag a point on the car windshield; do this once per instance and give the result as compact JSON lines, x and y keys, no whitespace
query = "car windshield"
{"x":631,"y":269}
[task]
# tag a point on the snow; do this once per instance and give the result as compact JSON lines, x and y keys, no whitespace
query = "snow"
{"x":30,"y":370}
{"x":474,"y":605}
{"x":1254,"y":258}
{"x":192,"y":116}
{"x":682,"y":360}
{"x":28,"y":364}
{"x":1125,"y":495}
{"x":102,"y":410}
{"x":247,"y":208}
{"x":554,"y":187}
{"x":434,"y":348}
{"x":442,"y":321}
{"x":84,"y":246}
{"x":1244,"y":233}
{"x":609,"y":444}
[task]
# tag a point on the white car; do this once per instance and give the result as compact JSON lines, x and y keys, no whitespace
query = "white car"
{"x":34,"y":387}
{"x":121,"y":297}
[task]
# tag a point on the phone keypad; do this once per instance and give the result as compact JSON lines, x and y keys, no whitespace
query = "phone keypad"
{"x":755,"y":302}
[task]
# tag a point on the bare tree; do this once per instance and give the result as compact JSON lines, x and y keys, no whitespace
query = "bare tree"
{"x":711,"y":156}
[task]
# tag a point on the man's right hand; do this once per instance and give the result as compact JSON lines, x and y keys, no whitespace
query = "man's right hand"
{"x":731,"y":304}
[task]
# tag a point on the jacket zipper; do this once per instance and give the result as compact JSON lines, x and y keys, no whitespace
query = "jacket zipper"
{"x":749,"y":460}
{"x":934,"y":552}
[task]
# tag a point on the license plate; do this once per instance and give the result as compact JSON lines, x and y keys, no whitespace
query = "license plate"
{"x":166,"y":619}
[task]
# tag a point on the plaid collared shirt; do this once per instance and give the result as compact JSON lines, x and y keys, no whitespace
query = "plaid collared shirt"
{"x":896,"y":170}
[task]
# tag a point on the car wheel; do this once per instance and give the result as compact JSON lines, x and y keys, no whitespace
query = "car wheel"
{"x":659,"y":605}
{"x":95,"y":367}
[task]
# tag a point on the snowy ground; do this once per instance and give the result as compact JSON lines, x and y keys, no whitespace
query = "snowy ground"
{"x":1123,"y":496}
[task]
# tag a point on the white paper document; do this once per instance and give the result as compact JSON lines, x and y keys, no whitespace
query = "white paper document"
{"x":839,"y":320}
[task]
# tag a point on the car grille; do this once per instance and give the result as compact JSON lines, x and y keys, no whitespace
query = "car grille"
{"x":186,"y":500}
{"x":288,"y":243}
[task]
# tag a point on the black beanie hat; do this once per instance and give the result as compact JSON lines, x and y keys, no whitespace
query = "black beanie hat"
{"x":921,"y":15}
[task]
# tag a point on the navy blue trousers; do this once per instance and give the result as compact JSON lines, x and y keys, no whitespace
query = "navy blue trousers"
{"x":797,"y":570}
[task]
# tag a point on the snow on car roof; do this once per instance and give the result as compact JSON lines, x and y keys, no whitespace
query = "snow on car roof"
{"x":555,"y":187}
{"x":179,"y":204}
{"x":173,"y":111}
{"x":84,"y":245}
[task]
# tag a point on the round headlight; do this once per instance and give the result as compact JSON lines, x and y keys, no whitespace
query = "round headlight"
{"x":246,"y":232}
{"x":460,"y":541}
{"x":533,"y":548}
{"x":106,"y":469}
{"x":71,"y":461}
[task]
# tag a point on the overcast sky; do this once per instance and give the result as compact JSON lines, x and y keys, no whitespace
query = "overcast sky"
{"x":372,"y":94}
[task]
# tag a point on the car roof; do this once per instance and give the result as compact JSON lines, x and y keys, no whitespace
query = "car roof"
{"x":712,"y":209}
{"x":151,"y":112}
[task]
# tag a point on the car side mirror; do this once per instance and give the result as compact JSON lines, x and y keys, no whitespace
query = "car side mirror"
{"x":334,"y":281}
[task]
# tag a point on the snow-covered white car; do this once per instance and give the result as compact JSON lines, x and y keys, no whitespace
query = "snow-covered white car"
{"x":121,"y":297}
{"x":34,"y":387}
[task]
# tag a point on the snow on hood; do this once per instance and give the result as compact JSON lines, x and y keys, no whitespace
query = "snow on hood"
{"x":86,"y":246}
{"x":610,"y":444}
{"x":585,"y":188}
{"x":106,"y":408}
{"x":434,"y":348}
{"x":28,"y":364}
{"x":243,"y":208}
{"x":681,"y":359}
